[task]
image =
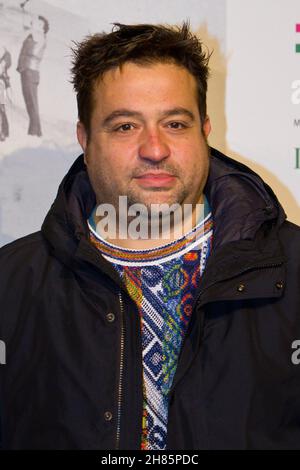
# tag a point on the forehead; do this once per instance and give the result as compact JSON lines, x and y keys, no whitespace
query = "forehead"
{"x":145,"y":85}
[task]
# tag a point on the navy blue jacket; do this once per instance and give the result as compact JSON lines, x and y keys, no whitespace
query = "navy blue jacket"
{"x":73,"y":372}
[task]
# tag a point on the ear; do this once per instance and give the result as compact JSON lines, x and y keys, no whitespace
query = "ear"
{"x":82,"y":138}
{"x":206,"y":128}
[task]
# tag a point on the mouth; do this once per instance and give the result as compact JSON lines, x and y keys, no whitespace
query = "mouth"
{"x":155,"y":179}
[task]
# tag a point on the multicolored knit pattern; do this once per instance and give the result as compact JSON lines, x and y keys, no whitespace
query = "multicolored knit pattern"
{"x":163,"y":289}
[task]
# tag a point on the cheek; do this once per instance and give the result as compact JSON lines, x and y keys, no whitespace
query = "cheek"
{"x":110,"y":171}
{"x":191,"y":156}
{"x":194,"y":164}
{"x":115,"y":155}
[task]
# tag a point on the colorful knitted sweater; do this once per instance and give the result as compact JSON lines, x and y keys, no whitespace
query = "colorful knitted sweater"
{"x":162,"y":283}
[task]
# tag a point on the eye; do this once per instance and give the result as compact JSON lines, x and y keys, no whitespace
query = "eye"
{"x":176,"y":125}
{"x":124,"y":127}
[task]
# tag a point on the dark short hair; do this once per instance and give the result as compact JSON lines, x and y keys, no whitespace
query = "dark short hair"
{"x":142,"y":44}
{"x":45,"y":23}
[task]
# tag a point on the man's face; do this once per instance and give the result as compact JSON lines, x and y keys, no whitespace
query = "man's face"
{"x":145,"y":140}
{"x":37,"y":25}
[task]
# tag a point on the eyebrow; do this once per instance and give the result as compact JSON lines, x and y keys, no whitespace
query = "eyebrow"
{"x":136,"y":114}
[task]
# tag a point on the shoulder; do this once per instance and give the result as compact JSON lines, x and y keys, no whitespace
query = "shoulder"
{"x":22,"y":250}
{"x":289,"y":236}
{"x":289,"y":232}
{"x":24,"y":265}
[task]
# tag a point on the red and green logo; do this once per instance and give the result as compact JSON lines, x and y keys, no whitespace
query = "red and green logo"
{"x":298,"y":31}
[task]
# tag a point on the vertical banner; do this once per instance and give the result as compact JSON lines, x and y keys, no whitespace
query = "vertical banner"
{"x":263,"y":93}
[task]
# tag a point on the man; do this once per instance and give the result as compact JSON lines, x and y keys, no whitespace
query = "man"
{"x":5,"y":63}
{"x":29,"y":61}
{"x":125,"y":342}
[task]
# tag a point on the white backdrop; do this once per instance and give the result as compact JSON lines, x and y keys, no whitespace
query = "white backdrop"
{"x":262,"y":66}
{"x":254,"y":66}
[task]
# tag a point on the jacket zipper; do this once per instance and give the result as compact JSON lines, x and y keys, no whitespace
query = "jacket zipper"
{"x":120,"y":390}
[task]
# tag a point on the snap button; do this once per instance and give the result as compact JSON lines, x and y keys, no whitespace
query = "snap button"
{"x":268,"y":210}
{"x":110,"y":317}
{"x":108,"y":416}
{"x":279,"y":284}
{"x":241,"y":287}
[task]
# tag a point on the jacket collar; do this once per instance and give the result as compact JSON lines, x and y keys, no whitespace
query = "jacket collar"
{"x":246,"y":216}
{"x":241,"y":201}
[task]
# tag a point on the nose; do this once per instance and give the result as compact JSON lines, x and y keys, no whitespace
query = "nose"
{"x":153,"y":146}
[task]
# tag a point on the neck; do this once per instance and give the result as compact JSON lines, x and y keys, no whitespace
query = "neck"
{"x":157,"y":234}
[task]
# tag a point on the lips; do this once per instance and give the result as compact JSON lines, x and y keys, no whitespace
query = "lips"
{"x":156,"y":179}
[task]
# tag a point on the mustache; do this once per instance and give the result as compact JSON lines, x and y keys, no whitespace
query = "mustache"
{"x":156,"y":168}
